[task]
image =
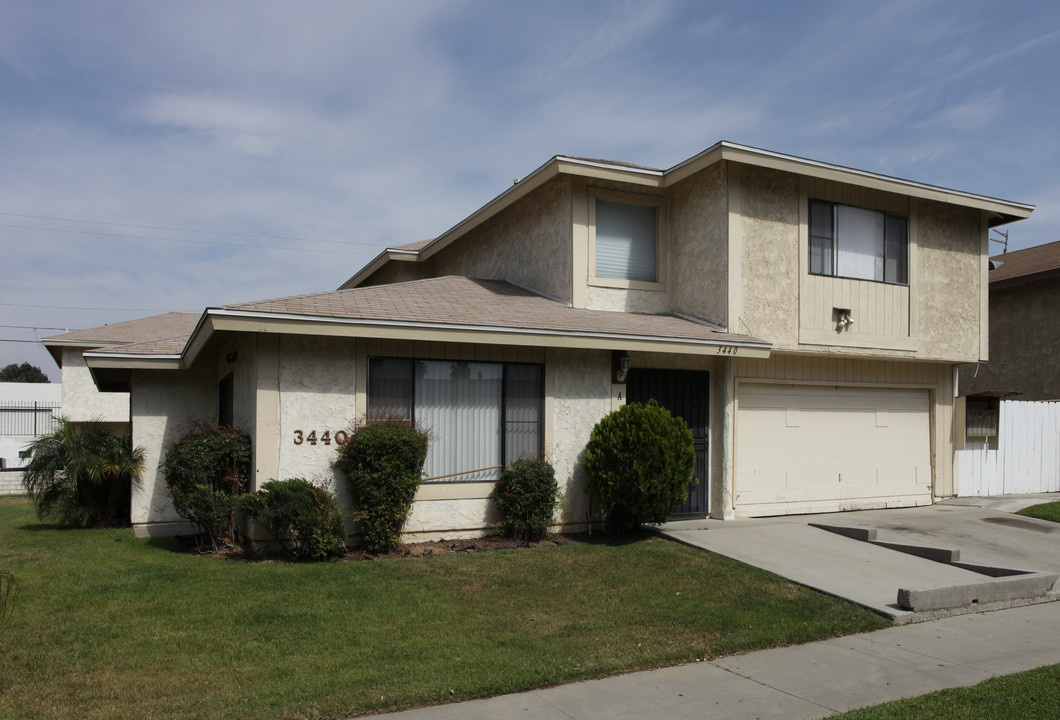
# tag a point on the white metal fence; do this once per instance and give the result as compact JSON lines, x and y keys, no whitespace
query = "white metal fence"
{"x":1027,"y":458}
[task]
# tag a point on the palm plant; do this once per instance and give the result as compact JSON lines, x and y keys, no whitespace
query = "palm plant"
{"x":81,"y":474}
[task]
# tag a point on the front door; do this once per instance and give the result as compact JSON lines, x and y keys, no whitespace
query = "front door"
{"x":685,"y":393}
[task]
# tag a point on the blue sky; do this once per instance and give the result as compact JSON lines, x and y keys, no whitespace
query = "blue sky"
{"x":169,"y":156}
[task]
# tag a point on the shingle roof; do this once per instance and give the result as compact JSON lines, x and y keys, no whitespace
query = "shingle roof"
{"x":1021,"y":264}
{"x":169,"y":325}
{"x":481,"y":304}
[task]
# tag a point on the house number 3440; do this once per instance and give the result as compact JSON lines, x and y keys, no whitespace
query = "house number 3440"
{"x":326,"y":437}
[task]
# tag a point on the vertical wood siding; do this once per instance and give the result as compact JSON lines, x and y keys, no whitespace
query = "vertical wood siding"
{"x":1027,"y":459}
{"x":819,"y":369}
{"x":877,"y":308}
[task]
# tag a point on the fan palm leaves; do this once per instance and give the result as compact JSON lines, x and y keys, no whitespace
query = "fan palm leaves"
{"x":81,"y":474}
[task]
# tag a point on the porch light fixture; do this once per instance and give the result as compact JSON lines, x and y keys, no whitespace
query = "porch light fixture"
{"x":623,"y":367}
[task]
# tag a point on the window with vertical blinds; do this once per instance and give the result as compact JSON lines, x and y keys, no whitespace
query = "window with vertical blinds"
{"x":626,"y":241}
{"x":480,"y":416}
{"x":857,"y":243}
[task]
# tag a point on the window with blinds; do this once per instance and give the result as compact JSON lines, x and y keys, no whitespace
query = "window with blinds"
{"x":480,"y":416}
{"x":857,"y":243}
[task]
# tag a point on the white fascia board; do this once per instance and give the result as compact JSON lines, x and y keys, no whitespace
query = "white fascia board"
{"x":134,"y":361}
{"x":244,"y":321}
{"x":1009,"y":210}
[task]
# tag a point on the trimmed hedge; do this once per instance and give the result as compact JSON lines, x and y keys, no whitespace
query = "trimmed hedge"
{"x":205,"y":470}
{"x":527,"y":496}
{"x":639,"y":462}
{"x":383,"y":465}
{"x":304,"y":518}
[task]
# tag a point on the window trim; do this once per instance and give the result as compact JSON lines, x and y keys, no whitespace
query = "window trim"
{"x":835,"y":240}
{"x":661,"y":229}
{"x":503,"y":405}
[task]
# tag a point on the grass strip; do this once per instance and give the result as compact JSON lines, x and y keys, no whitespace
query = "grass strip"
{"x":110,"y":626}
{"x":1045,"y":511}
{"x":1029,"y":695}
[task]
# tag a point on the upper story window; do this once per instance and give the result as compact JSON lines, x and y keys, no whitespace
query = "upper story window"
{"x":626,"y":239}
{"x":857,"y":243}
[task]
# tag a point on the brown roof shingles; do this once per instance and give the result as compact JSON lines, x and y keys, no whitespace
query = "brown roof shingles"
{"x":482,"y":304}
{"x":1025,"y":263}
{"x":169,"y":325}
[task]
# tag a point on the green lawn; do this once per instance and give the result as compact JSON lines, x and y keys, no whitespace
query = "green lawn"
{"x":110,"y":626}
{"x":1031,"y":695}
{"x":1045,"y":511}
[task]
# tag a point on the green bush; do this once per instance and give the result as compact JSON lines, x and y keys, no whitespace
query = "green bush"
{"x":527,"y":495}
{"x":304,"y":518}
{"x":205,"y":470}
{"x":82,"y":474}
{"x":383,"y":464}
{"x":639,"y":462}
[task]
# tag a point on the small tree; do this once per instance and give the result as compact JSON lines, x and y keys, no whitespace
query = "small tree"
{"x":527,"y":495}
{"x":24,"y":373}
{"x":304,"y":518}
{"x":205,"y":470}
{"x":81,"y":475}
{"x":383,"y":464}
{"x":639,"y":462}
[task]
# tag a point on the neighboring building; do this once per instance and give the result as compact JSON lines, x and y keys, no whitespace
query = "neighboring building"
{"x":806,"y":319}
{"x":27,"y":411}
{"x":1024,"y":328}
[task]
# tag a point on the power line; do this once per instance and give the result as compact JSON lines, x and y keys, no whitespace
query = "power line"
{"x":37,"y":327}
{"x":181,"y":240}
{"x":189,"y":230}
{"x":68,"y":307}
{"x":35,"y":342}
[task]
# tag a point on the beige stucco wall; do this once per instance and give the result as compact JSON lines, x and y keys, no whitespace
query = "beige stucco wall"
{"x":580,"y":384}
{"x":939,"y":311}
{"x":699,"y":242}
{"x":948,"y":265}
{"x":528,"y":243}
{"x":164,"y":405}
{"x":317,"y":381}
{"x":1024,"y":344}
{"x":764,"y":294}
{"x":81,"y":401}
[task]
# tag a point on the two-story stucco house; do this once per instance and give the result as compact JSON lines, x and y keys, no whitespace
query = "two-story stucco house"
{"x":806,"y":319}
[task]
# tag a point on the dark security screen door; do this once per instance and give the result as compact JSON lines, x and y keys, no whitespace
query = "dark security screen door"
{"x":685,"y":394}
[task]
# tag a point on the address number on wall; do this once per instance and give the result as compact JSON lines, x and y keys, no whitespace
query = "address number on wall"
{"x":327,"y":437}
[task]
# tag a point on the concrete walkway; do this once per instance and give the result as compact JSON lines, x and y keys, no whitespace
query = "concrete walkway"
{"x":819,"y":679}
{"x":871,"y":575}
{"x":803,"y":681}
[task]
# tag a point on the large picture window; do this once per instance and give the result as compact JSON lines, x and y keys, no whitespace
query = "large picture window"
{"x":480,"y":416}
{"x":856,"y":243}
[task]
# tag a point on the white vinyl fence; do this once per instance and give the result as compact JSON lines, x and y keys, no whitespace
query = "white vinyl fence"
{"x":1027,"y":459}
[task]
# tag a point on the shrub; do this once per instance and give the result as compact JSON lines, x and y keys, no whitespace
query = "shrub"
{"x":527,"y":495}
{"x":81,"y":474}
{"x":383,"y":463}
{"x":205,"y":470}
{"x":304,"y":518}
{"x":639,"y":462}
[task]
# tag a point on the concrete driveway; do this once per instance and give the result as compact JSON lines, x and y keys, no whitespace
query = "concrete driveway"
{"x":1002,"y":559}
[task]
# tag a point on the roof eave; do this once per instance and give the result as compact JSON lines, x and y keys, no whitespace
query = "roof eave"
{"x":250,"y":321}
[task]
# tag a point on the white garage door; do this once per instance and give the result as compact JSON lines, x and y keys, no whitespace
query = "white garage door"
{"x":804,"y":449}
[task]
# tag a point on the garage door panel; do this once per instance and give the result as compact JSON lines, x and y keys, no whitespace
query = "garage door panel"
{"x":830,"y":448}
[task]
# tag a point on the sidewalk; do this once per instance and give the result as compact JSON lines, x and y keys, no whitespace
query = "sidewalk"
{"x":803,"y":681}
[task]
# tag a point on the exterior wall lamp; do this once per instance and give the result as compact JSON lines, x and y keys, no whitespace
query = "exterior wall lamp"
{"x":622,"y":370}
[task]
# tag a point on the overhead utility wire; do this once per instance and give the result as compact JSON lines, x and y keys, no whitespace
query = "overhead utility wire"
{"x":190,"y":230}
{"x":38,"y":327}
{"x":69,"y":307}
{"x":180,"y":240}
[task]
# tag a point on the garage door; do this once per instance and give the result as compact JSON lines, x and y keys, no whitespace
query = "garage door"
{"x":803,"y":449}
